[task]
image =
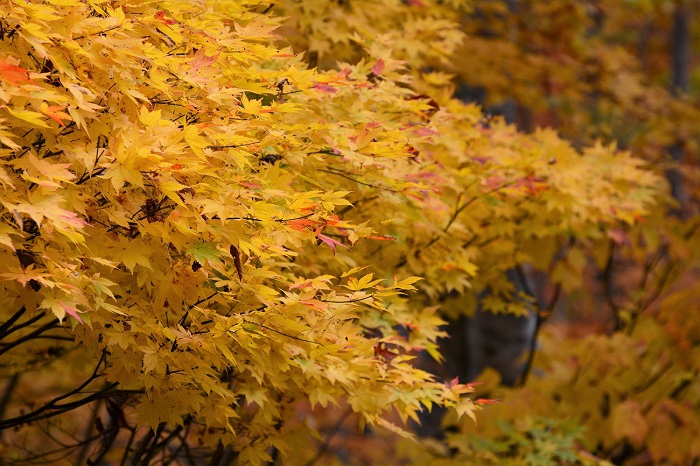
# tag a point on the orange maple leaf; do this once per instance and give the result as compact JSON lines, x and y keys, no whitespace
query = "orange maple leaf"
{"x":160,"y":15}
{"x":55,"y":113}
{"x":302,"y":223}
{"x":486,"y":401}
{"x":14,"y":74}
{"x":381,"y":237}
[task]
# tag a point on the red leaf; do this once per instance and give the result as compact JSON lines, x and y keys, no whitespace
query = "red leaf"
{"x":71,"y":311}
{"x":381,"y":352}
{"x":330,"y":241}
{"x":619,"y":237}
{"x":160,"y":15}
{"x":325,"y":88}
{"x":236,"y":261}
{"x":424,"y":131}
{"x":378,"y":67}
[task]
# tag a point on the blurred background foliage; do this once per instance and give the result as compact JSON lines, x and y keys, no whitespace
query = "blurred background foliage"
{"x":611,"y":372}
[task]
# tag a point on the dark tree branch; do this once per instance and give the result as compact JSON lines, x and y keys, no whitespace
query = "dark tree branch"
{"x":158,"y":445}
{"x":7,"y":395}
{"x":104,"y":31}
{"x":232,"y":146}
{"x":55,"y":408}
{"x":192,"y":306}
{"x":6,"y":331}
{"x":539,"y":320}
{"x":329,"y":436}
{"x":64,"y":452}
{"x":141,"y":447}
{"x":87,"y":432}
{"x":8,"y":346}
{"x":127,"y":448}
{"x":608,"y":288}
{"x":282,"y":333}
{"x":343,"y":174}
{"x":182,"y":437}
{"x":88,"y":176}
{"x":8,"y":323}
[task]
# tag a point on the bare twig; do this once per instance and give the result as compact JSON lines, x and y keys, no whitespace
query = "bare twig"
{"x":282,"y":333}
{"x":8,"y":323}
{"x":329,"y":436}
{"x":8,"y":346}
{"x":53,"y":408}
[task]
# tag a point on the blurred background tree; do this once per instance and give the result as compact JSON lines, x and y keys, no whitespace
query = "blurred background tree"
{"x":621,"y":72}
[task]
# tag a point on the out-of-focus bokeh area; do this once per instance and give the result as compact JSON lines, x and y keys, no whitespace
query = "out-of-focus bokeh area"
{"x":606,"y":366}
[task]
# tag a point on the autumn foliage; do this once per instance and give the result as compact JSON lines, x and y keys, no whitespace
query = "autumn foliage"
{"x":213,"y":232}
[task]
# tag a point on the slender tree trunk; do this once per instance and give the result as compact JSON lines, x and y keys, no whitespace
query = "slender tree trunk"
{"x":7,"y":395}
{"x":486,"y":340}
{"x":680,"y":57}
{"x":680,"y":49}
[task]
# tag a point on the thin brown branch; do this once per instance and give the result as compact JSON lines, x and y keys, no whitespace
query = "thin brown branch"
{"x":9,"y":329}
{"x":329,"y":436}
{"x":232,"y":146}
{"x":460,"y":209}
{"x":9,"y":322}
{"x":141,"y":447}
{"x":104,"y":31}
{"x":282,"y":333}
{"x":54,"y":405}
{"x":192,"y":306}
{"x":608,"y":288}
{"x":7,"y":394}
{"x":127,"y":448}
{"x":654,"y":377}
{"x":87,"y":432}
{"x":8,"y":346}
{"x":539,"y":320}
{"x":354,"y":300}
{"x":348,"y":177}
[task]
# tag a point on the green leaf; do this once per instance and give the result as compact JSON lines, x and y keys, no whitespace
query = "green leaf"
{"x":202,"y":251}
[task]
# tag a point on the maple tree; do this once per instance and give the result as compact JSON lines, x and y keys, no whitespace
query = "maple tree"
{"x":203,"y":235}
